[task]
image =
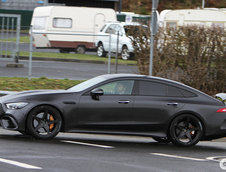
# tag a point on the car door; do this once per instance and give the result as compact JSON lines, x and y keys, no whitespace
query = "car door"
{"x":112,"y":110}
{"x":155,"y":105}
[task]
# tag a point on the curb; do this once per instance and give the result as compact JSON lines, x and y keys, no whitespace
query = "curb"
{"x":68,"y":60}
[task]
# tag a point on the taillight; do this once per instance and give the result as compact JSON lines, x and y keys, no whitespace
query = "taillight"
{"x":221,"y":110}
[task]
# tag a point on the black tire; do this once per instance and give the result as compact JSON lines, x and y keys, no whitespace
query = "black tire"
{"x":162,"y":139}
{"x":44,"y":122}
{"x":125,"y":54}
{"x":186,"y":130}
{"x":81,"y":50}
{"x":100,"y":50}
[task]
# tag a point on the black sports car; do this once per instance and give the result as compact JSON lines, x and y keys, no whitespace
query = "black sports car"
{"x":166,"y":110}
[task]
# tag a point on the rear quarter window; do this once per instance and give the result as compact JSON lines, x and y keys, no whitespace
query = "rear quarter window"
{"x":151,"y":88}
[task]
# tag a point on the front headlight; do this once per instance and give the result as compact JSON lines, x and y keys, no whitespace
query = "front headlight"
{"x":18,"y":105}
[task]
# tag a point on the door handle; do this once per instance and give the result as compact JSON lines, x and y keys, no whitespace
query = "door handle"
{"x":123,"y":101}
{"x":173,"y":104}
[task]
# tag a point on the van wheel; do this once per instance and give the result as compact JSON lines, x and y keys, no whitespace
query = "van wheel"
{"x":100,"y":50}
{"x":81,"y":50}
{"x":125,"y":53}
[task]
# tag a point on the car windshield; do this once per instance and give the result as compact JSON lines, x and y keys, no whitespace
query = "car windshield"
{"x":86,"y":84}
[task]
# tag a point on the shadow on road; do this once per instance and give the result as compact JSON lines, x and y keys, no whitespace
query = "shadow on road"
{"x":124,"y":142}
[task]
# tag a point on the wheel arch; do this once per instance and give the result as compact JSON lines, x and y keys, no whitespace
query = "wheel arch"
{"x":187,"y":113}
{"x":60,"y":112}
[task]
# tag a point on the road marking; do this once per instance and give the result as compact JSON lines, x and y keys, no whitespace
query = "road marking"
{"x":180,"y":157}
{"x":19,"y":164}
{"x":87,"y":144}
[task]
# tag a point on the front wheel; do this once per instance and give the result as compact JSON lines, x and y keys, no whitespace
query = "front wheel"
{"x":125,"y":53}
{"x":44,"y":122}
{"x":100,"y":50}
{"x":186,"y":130}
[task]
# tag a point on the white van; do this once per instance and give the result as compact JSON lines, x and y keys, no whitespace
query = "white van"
{"x":204,"y":17}
{"x":68,"y":28}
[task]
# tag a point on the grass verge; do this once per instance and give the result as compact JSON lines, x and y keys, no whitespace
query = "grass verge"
{"x":84,"y":57}
{"x":20,"y":84}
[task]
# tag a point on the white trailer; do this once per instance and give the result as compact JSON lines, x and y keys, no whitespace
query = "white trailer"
{"x":68,"y":28}
{"x":203,"y":17}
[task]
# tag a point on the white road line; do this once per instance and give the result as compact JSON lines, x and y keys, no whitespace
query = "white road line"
{"x":87,"y":144}
{"x":180,"y":157}
{"x":19,"y":164}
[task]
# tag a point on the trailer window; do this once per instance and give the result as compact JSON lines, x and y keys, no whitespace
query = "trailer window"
{"x":62,"y":22}
{"x":39,"y":23}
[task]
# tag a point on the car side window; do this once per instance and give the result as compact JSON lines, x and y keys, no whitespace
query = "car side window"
{"x":148,"y":88}
{"x":122,"y":87}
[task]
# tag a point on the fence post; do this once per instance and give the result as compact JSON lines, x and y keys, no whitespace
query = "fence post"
{"x":116,"y":57}
{"x":109,"y":55}
{"x":17,"y":38}
{"x":30,"y":53}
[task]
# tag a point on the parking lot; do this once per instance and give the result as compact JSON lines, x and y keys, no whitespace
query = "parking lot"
{"x":86,"y":152}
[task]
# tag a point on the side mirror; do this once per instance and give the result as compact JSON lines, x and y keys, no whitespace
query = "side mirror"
{"x":95,"y":93}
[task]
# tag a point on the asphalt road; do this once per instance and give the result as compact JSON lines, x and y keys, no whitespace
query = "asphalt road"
{"x":104,"y":153}
{"x":62,"y":70}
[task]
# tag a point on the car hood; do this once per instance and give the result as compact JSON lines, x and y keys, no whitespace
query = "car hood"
{"x":28,"y":94}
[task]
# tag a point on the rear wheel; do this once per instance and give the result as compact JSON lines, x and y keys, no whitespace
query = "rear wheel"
{"x":186,"y":130}
{"x":100,"y":50}
{"x":81,"y":50}
{"x":44,"y":122}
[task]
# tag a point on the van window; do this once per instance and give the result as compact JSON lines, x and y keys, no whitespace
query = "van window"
{"x":39,"y":23}
{"x":62,"y":22}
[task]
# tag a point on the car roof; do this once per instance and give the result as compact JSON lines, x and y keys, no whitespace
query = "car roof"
{"x":122,"y":75}
{"x":115,"y":76}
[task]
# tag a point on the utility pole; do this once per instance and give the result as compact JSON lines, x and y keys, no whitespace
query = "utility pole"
{"x":154,"y":28}
{"x":203,"y":4}
{"x":119,"y":6}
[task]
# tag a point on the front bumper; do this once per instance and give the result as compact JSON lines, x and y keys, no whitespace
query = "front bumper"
{"x":13,"y":119}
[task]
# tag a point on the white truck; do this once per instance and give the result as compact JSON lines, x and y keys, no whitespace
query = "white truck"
{"x":68,"y":28}
{"x":205,"y":17}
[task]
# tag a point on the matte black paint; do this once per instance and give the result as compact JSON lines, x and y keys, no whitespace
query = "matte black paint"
{"x":125,"y":114}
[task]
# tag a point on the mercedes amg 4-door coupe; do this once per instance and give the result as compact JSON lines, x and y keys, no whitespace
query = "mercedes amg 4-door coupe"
{"x":163,"y":109}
